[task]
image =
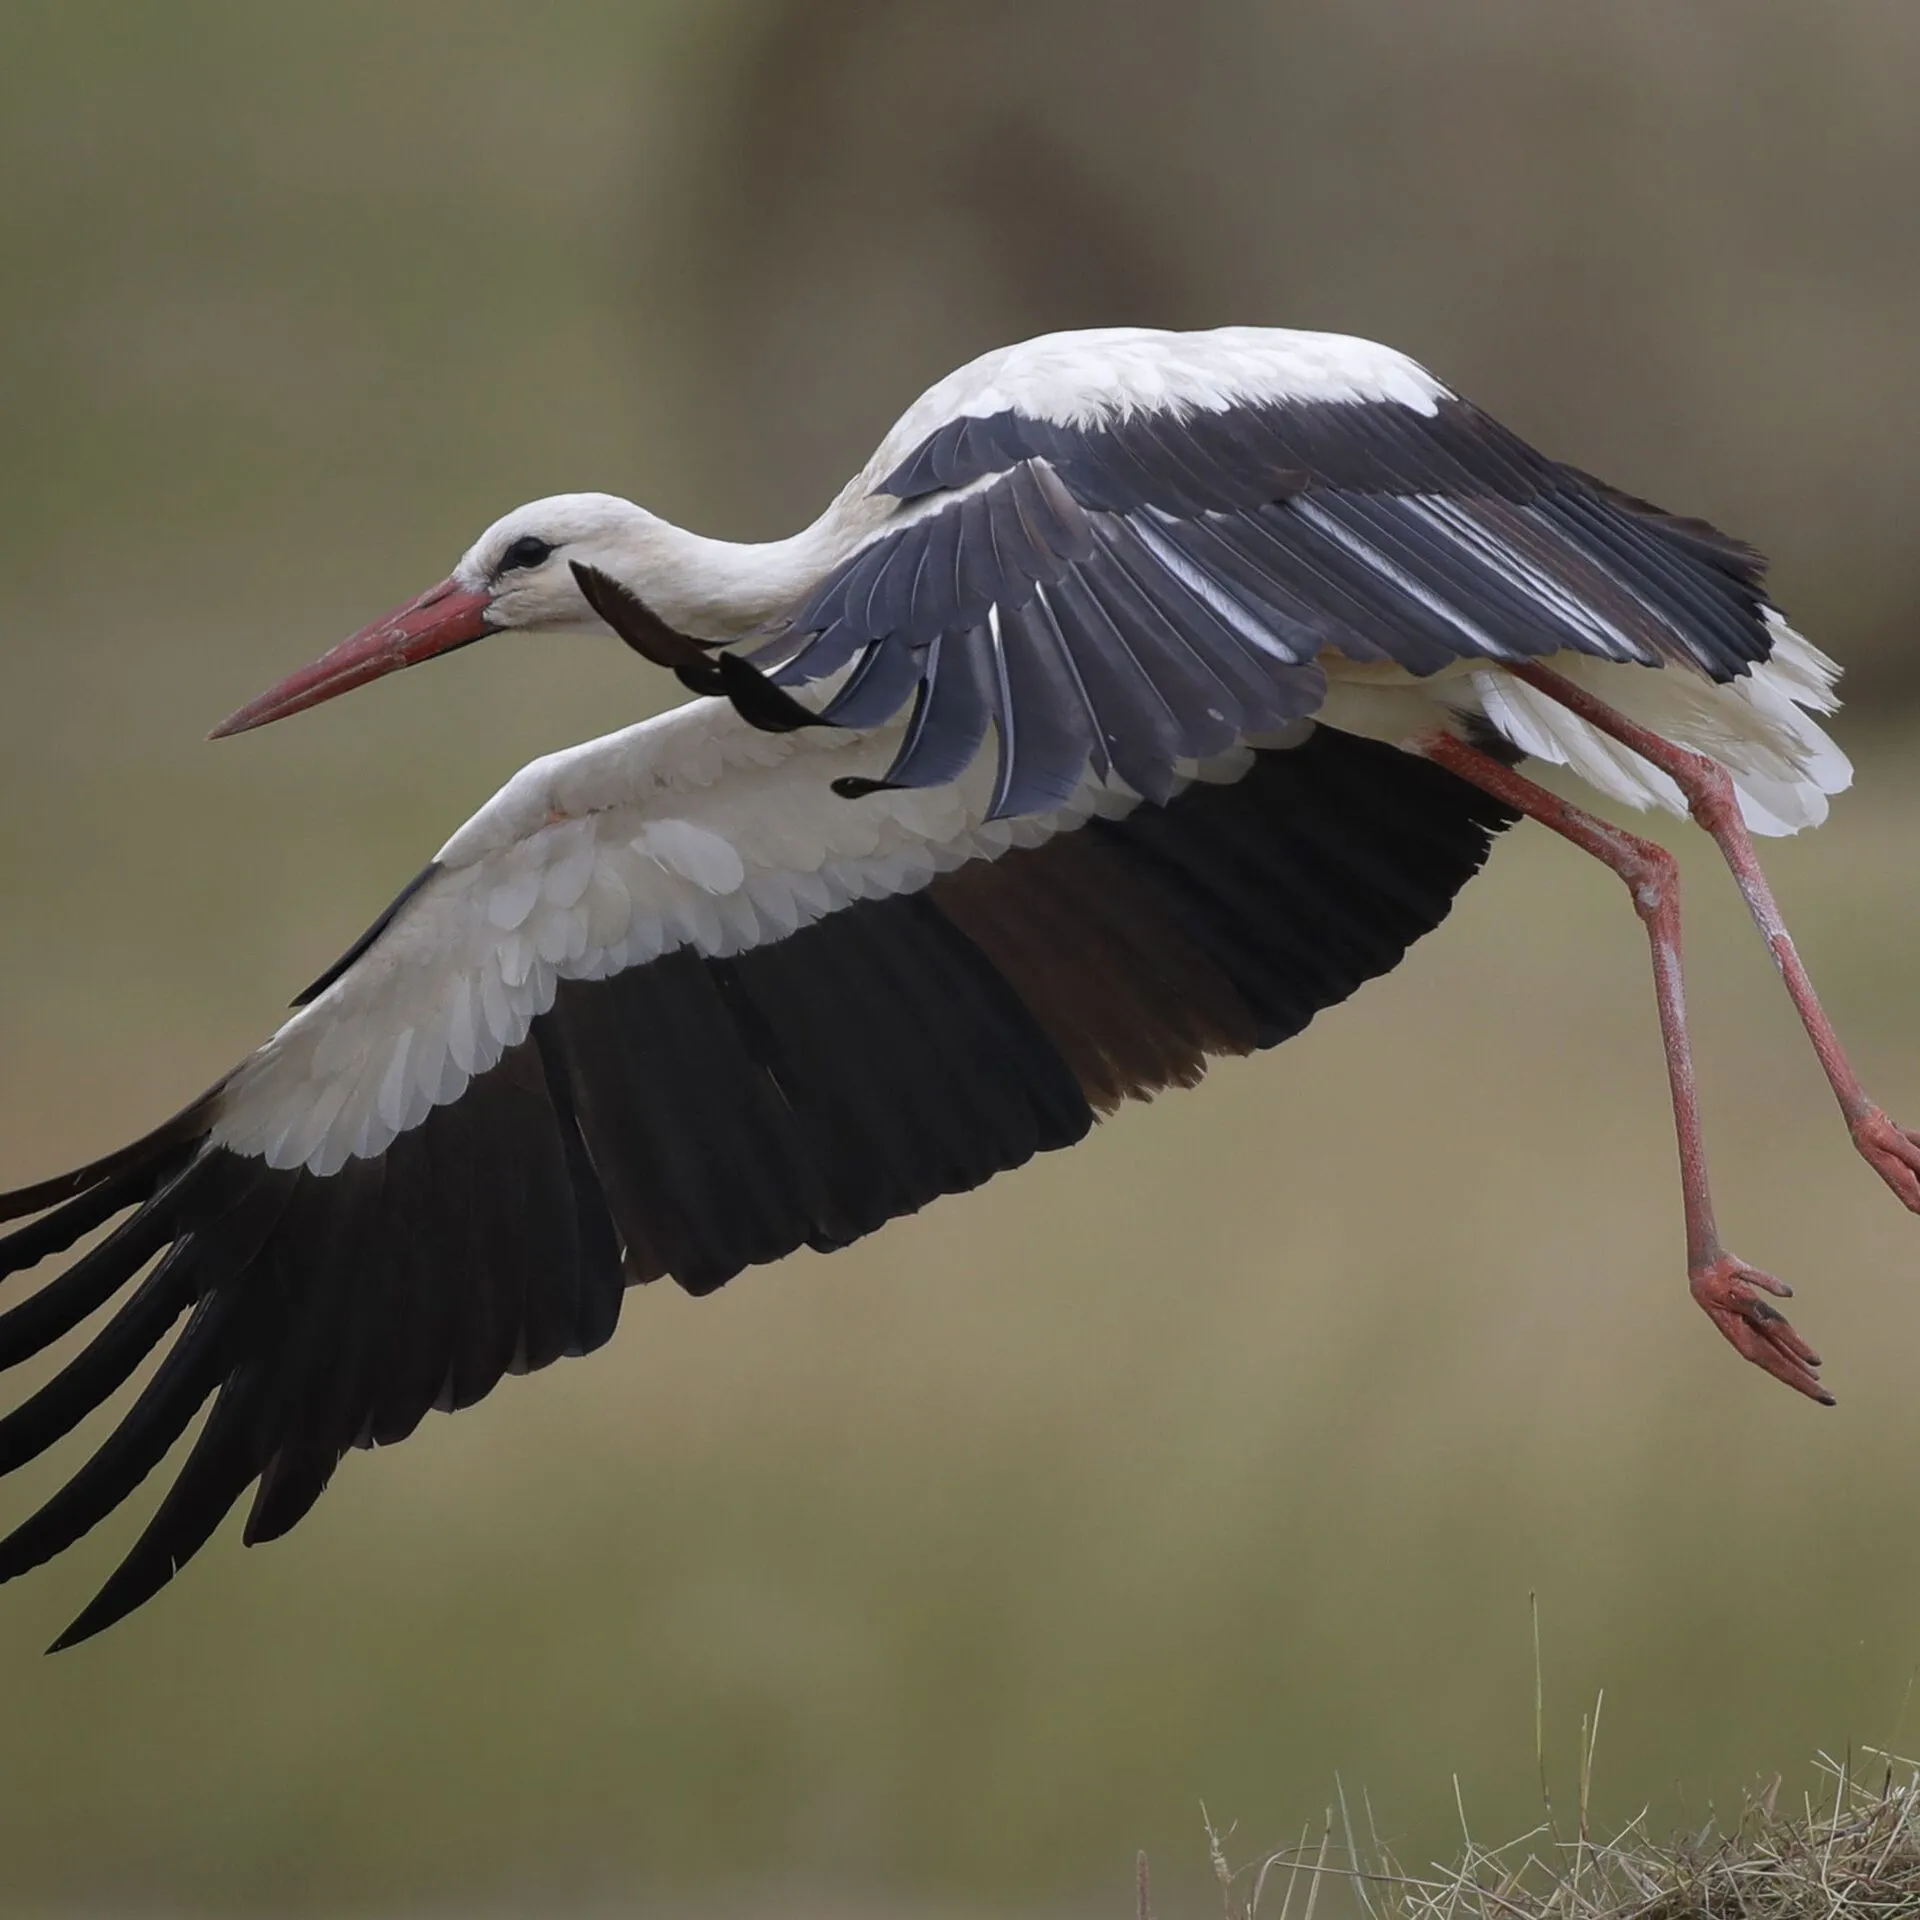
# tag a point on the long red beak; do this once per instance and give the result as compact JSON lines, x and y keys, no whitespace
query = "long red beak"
{"x":444,"y":617}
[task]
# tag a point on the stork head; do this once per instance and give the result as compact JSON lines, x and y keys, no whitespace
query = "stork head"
{"x":517,"y":575}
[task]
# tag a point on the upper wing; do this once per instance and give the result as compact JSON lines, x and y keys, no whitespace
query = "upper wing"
{"x":671,"y":1007}
{"x":1132,"y":577}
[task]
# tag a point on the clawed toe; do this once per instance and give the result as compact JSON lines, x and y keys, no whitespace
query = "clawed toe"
{"x":1893,"y":1152}
{"x":1730,"y":1292}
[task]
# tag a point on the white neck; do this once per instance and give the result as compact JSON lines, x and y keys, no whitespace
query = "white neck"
{"x":713,"y":589}
{"x":725,"y":589}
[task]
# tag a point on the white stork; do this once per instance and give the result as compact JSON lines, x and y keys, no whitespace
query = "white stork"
{"x":1261,"y":623}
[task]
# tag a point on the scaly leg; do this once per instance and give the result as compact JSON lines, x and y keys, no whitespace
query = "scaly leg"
{"x":1724,"y":1285}
{"x":1892,"y":1151}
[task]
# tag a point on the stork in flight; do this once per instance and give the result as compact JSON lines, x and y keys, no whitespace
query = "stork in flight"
{"x":1262,"y":625}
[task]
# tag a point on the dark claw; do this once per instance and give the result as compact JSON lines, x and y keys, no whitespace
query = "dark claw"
{"x":1729,"y":1290}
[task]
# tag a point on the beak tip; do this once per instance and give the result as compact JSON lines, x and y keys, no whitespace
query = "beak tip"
{"x":440,"y":620}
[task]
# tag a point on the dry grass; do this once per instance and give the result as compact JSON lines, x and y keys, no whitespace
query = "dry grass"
{"x":1848,"y":1849}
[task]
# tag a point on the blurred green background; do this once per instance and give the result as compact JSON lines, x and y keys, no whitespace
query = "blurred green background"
{"x":1205,"y":1462}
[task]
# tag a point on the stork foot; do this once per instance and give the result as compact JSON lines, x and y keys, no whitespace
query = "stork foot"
{"x":1893,"y":1152}
{"x":1730,"y":1292}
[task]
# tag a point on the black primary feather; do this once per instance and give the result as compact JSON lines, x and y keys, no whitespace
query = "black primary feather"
{"x":694,"y":1116}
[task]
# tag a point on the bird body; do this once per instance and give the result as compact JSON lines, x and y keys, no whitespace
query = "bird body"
{"x":696,"y":830}
{"x":1142,"y":696}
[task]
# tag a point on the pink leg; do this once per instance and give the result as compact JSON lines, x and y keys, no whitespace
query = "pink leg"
{"x":1725,"y":1286}
{"x":1892,"y":1151}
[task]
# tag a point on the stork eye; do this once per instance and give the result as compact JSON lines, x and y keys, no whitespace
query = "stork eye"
{"x":528,"y":551}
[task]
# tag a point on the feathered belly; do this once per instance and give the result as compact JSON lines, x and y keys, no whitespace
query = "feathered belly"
{"x":1761,"y":726}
